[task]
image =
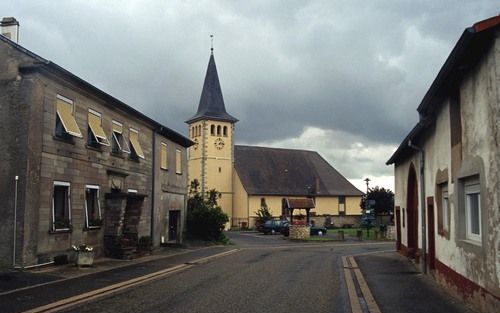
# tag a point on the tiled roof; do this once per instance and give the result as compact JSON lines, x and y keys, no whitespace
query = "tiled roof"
{"x":286,"y":172}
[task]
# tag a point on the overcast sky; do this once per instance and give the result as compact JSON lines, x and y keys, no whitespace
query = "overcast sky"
{"x":343,"y":78}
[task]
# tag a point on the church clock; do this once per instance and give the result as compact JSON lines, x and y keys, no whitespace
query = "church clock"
{"x":219,"y":143}
{"x":195,"y":145}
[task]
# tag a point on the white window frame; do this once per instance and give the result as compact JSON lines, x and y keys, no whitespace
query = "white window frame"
{"x":124,"y":147}
{"x":445,"y":207}
{"x":95,"y":187}
{"x":65,"y":184}
{"x":472,"y":188}
{"x":132,"y":191}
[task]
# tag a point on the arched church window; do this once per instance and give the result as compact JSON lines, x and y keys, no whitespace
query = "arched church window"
{"x":193,"y":133}
{"x":199,"y":130}
{"x":224,"y":131}
{"x":218,"y":130}
{"x":212,"y":130}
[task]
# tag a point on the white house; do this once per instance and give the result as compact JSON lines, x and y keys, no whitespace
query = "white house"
{"x":447,"y":172}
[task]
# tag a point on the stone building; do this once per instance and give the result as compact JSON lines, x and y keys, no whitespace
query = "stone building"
{"x":447,"y":172}
{"x":250,"y":177}
{"x":79,"y":166}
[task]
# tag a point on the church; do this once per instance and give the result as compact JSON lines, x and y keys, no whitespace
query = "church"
{"x":287,"y":181}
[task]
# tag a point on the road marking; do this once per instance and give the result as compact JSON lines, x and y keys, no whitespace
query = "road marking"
{"x":351,"y":290}
{"x":349,"y":264}
{"x":112,"y":289}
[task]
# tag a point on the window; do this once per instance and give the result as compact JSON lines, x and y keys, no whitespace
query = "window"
{"x":472,"y":210}
{"x":163,"y":156}
{"x":218,"y":130}
{"x":96,"y":135}
{"x":66,"y":126}
{"x":61,"y":206}
{"x":445,"y":209}
{"x":341,"y":205}
{"x":212,"y":130}
{"x":93,"y":218}
{"x":119,"y":143}
{"x":263,"y":203}
{"x":136,"y":151}
{"x":224,"y":131}
{"x":178,"y":161}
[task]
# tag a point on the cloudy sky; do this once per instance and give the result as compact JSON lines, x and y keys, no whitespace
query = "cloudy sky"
{"x":340,"y":77}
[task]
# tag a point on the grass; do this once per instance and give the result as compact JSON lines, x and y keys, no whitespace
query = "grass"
{"x":352,"y":232}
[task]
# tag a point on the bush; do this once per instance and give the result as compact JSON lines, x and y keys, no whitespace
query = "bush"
{"x":205,"y":219}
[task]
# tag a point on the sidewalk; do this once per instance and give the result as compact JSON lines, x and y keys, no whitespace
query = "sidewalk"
{"x":398,"y":286}
{"x":67,"y":281}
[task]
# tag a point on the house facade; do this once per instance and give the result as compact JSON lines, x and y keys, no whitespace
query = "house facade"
{"x":249,"y":177}
{"x":79,"y":166}
{"x":447,"y":172}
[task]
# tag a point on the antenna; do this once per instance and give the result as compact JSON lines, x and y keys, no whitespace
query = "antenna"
{"x":212,"y":44}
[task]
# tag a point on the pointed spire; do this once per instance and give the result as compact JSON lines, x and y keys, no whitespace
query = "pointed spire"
{"x":211,"y":104}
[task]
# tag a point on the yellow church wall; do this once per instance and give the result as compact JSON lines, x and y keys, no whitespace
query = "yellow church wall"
{"x":352,"y":205}
{"x":326,"y":205}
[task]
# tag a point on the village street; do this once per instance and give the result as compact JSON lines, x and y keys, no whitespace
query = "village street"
{"x":256,"y":274}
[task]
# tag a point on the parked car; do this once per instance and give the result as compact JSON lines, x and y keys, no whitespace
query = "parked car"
{"x":314,"y":230}
{"x":273,"y":226}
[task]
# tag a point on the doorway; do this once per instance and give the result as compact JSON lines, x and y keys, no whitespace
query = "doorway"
{"x":398,"y":228}
{"x":430,"y":233}
{"x":412,"y":213}
{"x":173,"y":225}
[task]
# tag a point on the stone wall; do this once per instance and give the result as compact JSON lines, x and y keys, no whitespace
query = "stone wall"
{"x":299,"y":232}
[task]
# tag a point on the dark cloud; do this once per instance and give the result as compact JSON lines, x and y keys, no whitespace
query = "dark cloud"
{"x":360,"y":67}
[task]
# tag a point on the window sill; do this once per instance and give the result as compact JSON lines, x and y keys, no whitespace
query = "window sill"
{"x":60,"y":231}
{"x":164,"y":169}
{"x":178,"y":173}
{"x":92,"y":228}
{"x":97,"y":149}
{"x":116,"y":155}
{"x":60,"y":139}
{"x":473,"y":242}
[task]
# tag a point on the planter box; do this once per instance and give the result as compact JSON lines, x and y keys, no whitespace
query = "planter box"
{"x":85,"y":258}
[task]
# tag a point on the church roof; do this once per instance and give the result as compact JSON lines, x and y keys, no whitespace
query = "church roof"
{"x":211,"y":104}
{"x":286,"y":172}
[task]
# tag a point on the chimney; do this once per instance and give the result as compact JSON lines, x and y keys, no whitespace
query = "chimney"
{"x":9,"y":27}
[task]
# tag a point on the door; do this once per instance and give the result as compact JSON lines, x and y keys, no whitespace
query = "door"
{"x":173,"y":225}
{"x":412,"y":214}
{"x":398,"y":228}
{"x":430,"y":233}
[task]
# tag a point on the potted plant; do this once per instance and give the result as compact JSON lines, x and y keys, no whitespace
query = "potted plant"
{"x":84,"y":255}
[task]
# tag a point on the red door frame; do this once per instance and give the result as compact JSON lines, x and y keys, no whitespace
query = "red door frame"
{"x":398,"y":228}
{"x":412,"y":213}
{"x":431,"y":260}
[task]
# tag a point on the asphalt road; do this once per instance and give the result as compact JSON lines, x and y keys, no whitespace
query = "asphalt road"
{"x":268,"y":274}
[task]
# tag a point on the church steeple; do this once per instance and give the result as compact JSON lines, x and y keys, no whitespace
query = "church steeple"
{"x":211,"y":104}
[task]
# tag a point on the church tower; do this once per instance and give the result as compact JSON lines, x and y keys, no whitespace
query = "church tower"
{"x":211,"y":158}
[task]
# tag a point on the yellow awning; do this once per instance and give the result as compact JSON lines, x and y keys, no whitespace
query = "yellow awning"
{"x":163,"y":159}
{"x":117,"y":127}
{"x":65,"y":113}
{"x":95,"y":126}
{"x":134,"y":140}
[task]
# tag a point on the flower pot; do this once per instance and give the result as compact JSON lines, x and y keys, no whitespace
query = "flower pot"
{"x":85,"y":258}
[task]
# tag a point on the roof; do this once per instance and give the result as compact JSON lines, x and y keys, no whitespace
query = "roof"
{"x":287,"y":172}
{"x":303,"y":203}
{"x":211,"y":104}
{"x":44,"y":65}
{"x":467,"y":51}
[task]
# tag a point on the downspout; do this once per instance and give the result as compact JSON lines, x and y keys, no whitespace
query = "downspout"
{"x":422,"y":204}
{"x":153,"y":189}
{"x":15,"y":225}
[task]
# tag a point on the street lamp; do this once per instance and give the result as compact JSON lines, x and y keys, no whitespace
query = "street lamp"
{"x":367,"y":180}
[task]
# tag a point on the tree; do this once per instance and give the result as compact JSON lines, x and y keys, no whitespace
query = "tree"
{"x":263,"y":214}
{"x":384,"y":200}
{"x":205,"y":218}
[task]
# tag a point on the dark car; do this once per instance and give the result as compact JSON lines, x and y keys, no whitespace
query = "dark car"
{"x":285,"y":231}
{"x":273,"y":226}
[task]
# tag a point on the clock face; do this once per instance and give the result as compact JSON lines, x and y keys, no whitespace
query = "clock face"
{"x":195,"y":146}
{"x":219,"y":143}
